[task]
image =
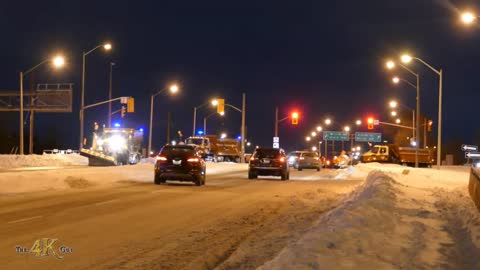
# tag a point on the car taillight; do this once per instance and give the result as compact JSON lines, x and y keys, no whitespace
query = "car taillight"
{"x":252,"y":158}
{"x":282,"y":159}
{"x":328,"y":162}
{"x":302,"y":158}
{"x":193,"y":160}
{"x":161,"y":158}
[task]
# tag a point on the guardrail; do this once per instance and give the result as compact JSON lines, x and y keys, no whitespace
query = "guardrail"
{"x":474,"y":186}
{"x":61,"y":152}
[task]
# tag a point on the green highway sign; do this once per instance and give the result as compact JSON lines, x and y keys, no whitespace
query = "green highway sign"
{"x":368,"y":137}
{"x":335,"y":136}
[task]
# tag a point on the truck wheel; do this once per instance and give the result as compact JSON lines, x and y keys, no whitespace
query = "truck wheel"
{"x":204,"y":177}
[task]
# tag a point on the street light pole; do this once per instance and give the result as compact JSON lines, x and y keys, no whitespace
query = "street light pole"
{"x":110,"y":96}
{"x":439,"y":142}
{"x":417,"y":129}
{"x":243,"y":127}
{"x":276,"y":122}
{"x":149,"y":149}
{"x":194,"y":120}
{"x":82,"y":100}
{"x":58,"y":61}
{"x":21,"y":114}
{"x":106,"y":46}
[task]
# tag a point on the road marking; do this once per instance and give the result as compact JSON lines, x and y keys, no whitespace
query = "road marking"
{"x":105,"y":202}
{"x":23,"y":219}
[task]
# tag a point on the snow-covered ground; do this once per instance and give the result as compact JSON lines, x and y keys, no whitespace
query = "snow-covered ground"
{"x":8,"y":162}
{"x":400,"y":218}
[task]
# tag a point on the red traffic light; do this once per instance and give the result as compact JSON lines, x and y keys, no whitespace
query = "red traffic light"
{"x":295,"y":118}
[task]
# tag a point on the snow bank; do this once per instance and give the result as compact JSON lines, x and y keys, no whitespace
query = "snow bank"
{"x":385,"y":224}
{"x":53,"y":160}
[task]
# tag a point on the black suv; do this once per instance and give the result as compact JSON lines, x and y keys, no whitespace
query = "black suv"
{"x":268,"y":161}
{"x":180,"y":162}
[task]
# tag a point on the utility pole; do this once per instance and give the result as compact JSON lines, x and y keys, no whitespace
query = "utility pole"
{"x":417,"y":140}
{"x":21,"y":113}
{"x":168,"y":127}
{"x":243,"y":128}
{"x":109,"y":125}
{"x":195,"y":121}
{"x":439,"y":141}
{"x":32,"y":97}
{"x":326,"y":148}
{"x":276,"y":122}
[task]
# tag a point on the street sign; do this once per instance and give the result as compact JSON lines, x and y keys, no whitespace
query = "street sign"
{"x":473,"y":155}
{"x":335,"y":136}
{"x":466,"y":147}
{"x":376,"y":122}
{"x":276,"y":139}
{"x":276,"y":145}
{"x":368,"y":137}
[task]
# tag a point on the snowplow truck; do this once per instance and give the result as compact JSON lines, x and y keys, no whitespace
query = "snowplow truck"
{"x":392,"y":153}
{"x":114,"y":146}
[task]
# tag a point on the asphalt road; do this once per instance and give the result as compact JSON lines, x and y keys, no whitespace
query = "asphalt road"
{"x":230,"y":223}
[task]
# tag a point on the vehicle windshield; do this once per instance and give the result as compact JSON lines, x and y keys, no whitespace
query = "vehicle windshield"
{"x":196,"y":141}
{"x":375,"y":149}
{"x":267,"y":153}
{"x":178,"y":151}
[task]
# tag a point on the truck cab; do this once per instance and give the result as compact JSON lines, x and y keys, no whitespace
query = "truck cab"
{"x":202,"y":143}
{"x":378,"y":153}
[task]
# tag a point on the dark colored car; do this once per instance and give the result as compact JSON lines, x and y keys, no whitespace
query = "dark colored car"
{"x":268,"y":161}
{"x":181,"y":163}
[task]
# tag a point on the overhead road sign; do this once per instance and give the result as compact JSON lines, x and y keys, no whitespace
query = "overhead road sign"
{"x":335,"y":136}
{"x":368,"y":137}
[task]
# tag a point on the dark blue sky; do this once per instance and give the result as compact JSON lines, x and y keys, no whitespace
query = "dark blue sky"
{"x":325,"y":58}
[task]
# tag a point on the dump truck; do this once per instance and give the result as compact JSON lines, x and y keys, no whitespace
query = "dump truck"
{"x":217,"y":150}
{"x":392,"y":153}
{"x":114,"y":146}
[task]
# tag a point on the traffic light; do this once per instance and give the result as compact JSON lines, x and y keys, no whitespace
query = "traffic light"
{"x":294,"y":118}
{"x":130,"y":105}
{"x":370,"y":123}
{"x":122,"y":111}
{"x":429,"y":125}
{"x":220,"y":105}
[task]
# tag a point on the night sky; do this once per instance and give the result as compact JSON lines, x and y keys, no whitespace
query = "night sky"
{"x":323,"y":58}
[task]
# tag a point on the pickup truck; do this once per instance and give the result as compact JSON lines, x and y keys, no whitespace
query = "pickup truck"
{"x":392,"y":153}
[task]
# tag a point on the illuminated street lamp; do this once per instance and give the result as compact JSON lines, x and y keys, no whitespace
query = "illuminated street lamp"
{"x":346,"y":128}
{"x":398,"y":121}
{"x":106,"y":46}
{"x":173,"y":90}
{"x":406,"y":58}
{"x":394,"y":113}
{"x":314,"y":148}
{"x":314,"y":134}
{"x":328,"y":121}
{"x":57,"y":61}
{"x":393,"y":104}
{"x":308,"y":138}
{"x":390,"y":64}
{"x":319,"y":128}
{"x":395,"y":80}
{"x":468,"y":17}
{"x":214,"y":102}
{"x":358,"y":122}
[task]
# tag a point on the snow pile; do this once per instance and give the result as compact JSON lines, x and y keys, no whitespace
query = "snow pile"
{"x":57,"y":160}
{"x":385,"y":224}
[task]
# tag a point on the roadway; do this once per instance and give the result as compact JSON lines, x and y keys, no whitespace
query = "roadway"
{"x":230,"y":223}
